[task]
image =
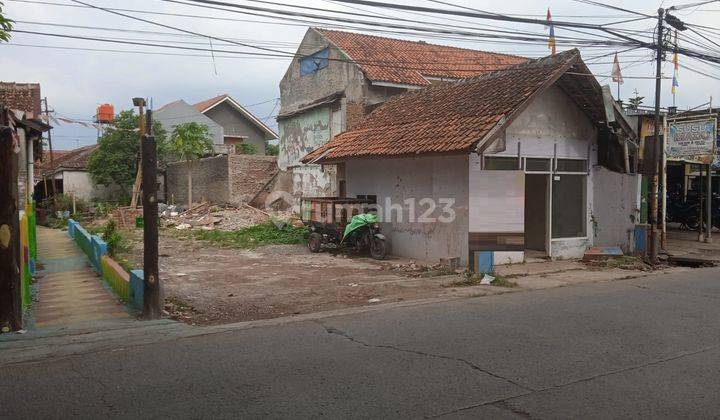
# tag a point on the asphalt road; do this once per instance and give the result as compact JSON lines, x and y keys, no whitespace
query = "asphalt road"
{"x":637,"y":348}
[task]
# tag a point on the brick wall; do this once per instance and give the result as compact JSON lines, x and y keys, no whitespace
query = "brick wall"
{"x":210,"y":180}
{"x":355,"y":114}
{"x":248,"y":175}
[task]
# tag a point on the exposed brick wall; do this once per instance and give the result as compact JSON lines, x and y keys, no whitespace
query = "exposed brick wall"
{"x":248,"y":174}
{"x":210,"y":180}
{"x":354,"y":115}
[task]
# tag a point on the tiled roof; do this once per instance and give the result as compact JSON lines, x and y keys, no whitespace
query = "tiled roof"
{"x":202,"y":106}
{"x":406,"y":62}
{"x":21,"y":96}
{"x":446,"y":118}
{"x":76,"y":159}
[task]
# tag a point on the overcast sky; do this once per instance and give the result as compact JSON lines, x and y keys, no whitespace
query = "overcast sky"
{"x":76,"y":81}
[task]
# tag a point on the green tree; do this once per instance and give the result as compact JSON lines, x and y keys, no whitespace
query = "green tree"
{"x":190,"y":141}
{"x":272,"y":149}
{"x":6,"y":25}
{"x":636,"y":101}
{"x":114,"y":162}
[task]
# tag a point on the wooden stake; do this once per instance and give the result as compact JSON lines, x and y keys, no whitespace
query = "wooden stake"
{"x":10,"y":297}
{"x":152,"y":298}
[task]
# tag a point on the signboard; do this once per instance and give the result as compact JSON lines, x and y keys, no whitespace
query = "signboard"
{"x":692,"y":140}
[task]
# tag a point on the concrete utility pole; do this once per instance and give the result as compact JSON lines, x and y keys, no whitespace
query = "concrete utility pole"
{"x":140,"y":103}
{"x":657,"y":151}
{"x":152,"y":296}
{"x":10,"y":294}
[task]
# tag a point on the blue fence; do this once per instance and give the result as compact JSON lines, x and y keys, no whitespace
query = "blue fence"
{"x":95,"y":248}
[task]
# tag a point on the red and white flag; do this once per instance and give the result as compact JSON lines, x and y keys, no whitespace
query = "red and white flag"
{"x":616,"y":73}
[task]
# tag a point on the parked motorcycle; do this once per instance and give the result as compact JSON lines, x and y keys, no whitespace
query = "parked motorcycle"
{"x":363,"y":232}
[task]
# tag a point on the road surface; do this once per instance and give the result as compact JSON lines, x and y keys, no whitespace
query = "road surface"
{"x":637,"y":348}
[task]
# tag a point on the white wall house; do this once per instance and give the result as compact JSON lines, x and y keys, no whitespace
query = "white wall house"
{"x":514,"y":152}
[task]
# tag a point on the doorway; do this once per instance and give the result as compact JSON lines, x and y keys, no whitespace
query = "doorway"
{"x":537,"y":193}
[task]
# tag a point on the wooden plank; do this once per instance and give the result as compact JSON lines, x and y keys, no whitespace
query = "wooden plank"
{"x":10,"y":292}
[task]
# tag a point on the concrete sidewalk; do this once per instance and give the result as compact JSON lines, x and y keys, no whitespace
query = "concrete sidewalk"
{"x":70,"y":292}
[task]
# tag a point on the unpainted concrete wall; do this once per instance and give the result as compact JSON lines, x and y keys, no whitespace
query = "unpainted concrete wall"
{"x":415,"y":179}
{"x":209,"y":176}
{"x":235,"y":124}
{"x":181,"y":112}
{"x":617,"y":208}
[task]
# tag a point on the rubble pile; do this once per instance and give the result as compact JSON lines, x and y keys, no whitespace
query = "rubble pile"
{"x":211,"y":217}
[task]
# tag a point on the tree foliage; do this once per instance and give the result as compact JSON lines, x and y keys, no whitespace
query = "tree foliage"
{"x":272,"y":149}
{"x":6,"y":25}
{"x":115,"y":161}
{"x":191,"y":141}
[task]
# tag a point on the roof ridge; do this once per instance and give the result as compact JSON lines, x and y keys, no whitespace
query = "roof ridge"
{"x":319,"y":29}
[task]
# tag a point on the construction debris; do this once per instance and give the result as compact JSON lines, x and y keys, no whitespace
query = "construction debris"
{"x":206,"y":216}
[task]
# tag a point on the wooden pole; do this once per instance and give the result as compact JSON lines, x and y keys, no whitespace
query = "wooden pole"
{"x":140,"y":103}
{"x":52,"y":155}
{"x":152,"y":296}
{"x":653,"y":240}
{"x":10,"y":297}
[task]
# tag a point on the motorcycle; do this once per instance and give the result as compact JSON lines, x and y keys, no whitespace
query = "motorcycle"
{"x":363,"y":232}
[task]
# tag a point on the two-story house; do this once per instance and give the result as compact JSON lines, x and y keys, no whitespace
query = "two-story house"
{"x":230,"y":124}
{"x":340,"y":77}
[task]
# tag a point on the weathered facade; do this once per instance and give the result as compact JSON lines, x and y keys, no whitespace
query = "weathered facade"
{"x":229,"y":123}
{"x":515,"y":152}
{"x":343,"y":86}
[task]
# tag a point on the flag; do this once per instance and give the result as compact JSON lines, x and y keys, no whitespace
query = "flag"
{"x":616,"y":71}
{"x":551,"y":41}
{"x":675,"y":83}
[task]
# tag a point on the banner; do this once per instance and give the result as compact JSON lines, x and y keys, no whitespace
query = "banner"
{"x":692,"y":140}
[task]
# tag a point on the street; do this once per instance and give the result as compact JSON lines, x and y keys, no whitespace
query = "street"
{"x":645,"y":347}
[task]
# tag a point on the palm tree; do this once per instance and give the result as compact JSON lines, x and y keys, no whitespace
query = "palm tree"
{"x":191,"y":141}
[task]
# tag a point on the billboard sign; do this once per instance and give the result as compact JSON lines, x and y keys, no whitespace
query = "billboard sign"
{"x":692,"y":140}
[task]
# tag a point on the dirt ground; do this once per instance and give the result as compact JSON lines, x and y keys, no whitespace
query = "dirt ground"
{"x":205,"y":284}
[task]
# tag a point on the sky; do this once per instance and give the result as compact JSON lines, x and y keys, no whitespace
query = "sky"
{"x":77,"y":81}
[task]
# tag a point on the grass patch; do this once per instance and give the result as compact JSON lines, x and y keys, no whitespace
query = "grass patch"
{"x":626,"y":262}
{"x":473,"y":279}
{"x":250,"y":237}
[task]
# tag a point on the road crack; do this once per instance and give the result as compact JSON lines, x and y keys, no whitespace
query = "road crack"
{"x":471,"y":365}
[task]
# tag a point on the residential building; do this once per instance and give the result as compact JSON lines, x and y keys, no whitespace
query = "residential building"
{"x":230,"y":124}
{"x":342,"y":76}
{"x":70,"y":176}
{"x":528,"y":161}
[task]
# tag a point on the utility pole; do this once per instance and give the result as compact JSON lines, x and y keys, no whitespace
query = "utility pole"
{"x":140,"y":103}
{"x":52,"y":157}
{"x":10,"y":294}
{"x":152,"y":296}
{"x":657,"y":152}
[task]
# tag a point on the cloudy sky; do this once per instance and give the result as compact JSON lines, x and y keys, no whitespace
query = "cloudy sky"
{"x":76,"y":75}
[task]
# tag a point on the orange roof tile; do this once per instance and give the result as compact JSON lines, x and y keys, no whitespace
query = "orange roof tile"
{"x":406,"y":62}
{"x":202,"y":106}
{"x":445,"y":118}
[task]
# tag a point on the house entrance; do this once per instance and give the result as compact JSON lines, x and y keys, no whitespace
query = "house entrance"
{"x":537,"y":209}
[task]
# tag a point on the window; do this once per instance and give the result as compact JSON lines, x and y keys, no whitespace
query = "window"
{"x":572,"y":165}
{"x":314,"y":62}
{"x":537,"y":165}
{"x":495,"y":163}
{"x":568,"y":206}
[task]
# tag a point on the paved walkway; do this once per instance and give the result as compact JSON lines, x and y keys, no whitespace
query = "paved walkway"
{"x":69,"y":290}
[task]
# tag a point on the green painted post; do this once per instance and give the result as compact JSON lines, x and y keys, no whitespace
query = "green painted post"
{"x":32,"y":231}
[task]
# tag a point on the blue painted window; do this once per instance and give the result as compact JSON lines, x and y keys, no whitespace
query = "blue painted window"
{"x":314,"y":62}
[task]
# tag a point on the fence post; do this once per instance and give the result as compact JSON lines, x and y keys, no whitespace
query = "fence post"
{"x":10,"y":288}
{"x":152,"y":299}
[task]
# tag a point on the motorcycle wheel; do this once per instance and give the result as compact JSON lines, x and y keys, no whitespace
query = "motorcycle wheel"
{"x":378,"y":248}
{"x":315,"y":242}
